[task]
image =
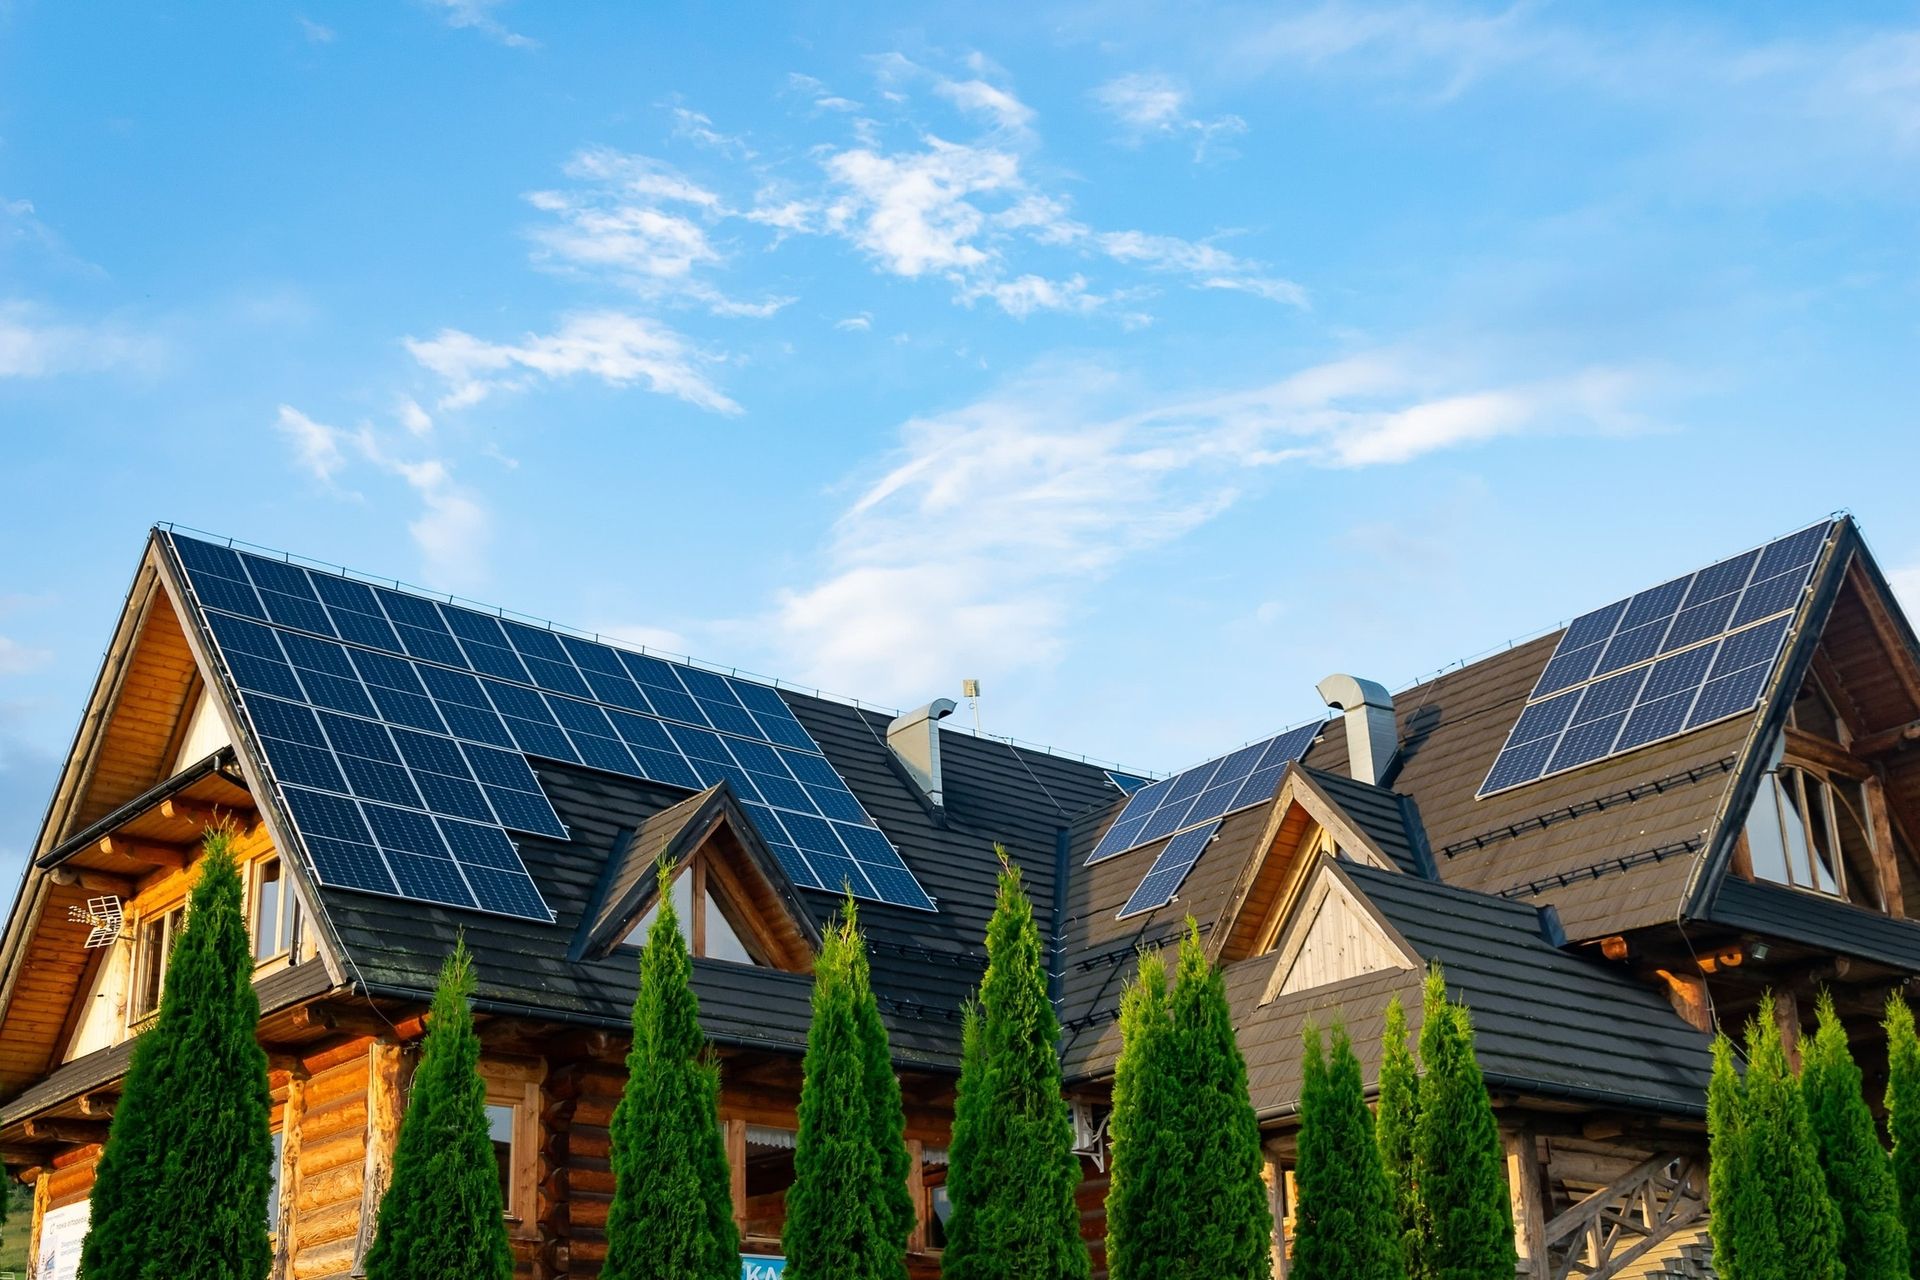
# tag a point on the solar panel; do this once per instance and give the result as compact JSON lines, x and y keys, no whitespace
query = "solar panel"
{"x":1666,"y":661}
{"x":372,"y":695}
{"x":1212,"y":790}
{"x":1170,"y":869}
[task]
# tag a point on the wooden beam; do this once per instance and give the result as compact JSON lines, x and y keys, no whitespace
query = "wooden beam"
{"x":1687,"y":993}
{"x":1886,"y":862}
{"x":293,"y":1115}
{"x":92,"y":881}
{"x":1786,"y":1014}
{"x":1825,"y":753}
{"x":206,"y":816}
{"x":737,"y":1170}
{"x":917,"y":1189}
{"x":151,"y":853}
{"x":1614,"y":948}
{"x":1524,"y":1188}
{"x":385,"y":1109}
{"x":79,"y":1132}
{"x":1888,"y":740}
{"x":42,"y":1201}
{"x":98,"y":1106}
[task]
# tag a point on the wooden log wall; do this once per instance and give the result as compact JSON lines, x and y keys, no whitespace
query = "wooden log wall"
{"x":325,"y":1184}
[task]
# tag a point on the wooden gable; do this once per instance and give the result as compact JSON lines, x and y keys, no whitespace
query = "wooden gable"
{"x":1334,"y":934}
{"x":1303,"y":820}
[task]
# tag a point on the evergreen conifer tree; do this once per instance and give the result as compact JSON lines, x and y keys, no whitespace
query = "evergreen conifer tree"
{"x":1783,"y":1159}
{"x":841,"y":1222}
{"x":1399,"y":1113}
{"x":1746,"y":1240}
{"x":1458,"y":1163}
{"x":894,"y":1208}
{"x":1873,"y":1240}
{"x":1228,"y":1225}
{"x":672,"y":1211}
{"x":1345,"y":1227}
{"x":1144,"y":1196}
{"x":1903,"y":1118}
{"x":442,"y":1217}
{"x":181,"y":1188}
{"x":1012,"y":1172}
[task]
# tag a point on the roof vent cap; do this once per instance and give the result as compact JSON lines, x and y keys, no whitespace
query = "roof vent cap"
{"x":1371,"y":733}
{"x":914,"y":739}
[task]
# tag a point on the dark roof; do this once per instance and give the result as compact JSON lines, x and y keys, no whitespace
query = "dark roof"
{"x":1386,"y":817}
{"x":924,"y":965}
{"x":1776,"y":911}
{"x":1547,"y":1022}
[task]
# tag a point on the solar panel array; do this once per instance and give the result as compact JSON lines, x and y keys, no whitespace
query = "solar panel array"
{"x":399,"y":728}
{"x":1170,"y":869}
{"x":1658,"y":664}
{"x":1212,"y":790}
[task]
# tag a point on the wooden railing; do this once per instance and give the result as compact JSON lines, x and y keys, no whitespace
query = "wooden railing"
{"x":1620,"y":1222}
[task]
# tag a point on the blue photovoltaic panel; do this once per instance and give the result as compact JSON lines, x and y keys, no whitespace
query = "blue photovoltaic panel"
{"x":1671,"y":659}
{"x":1212,"y":790}
{"x":407,"y":701}
{"x":1170,"y":869}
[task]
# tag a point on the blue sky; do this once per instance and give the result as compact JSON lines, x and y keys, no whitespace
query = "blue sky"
{"x":1146,"y":362}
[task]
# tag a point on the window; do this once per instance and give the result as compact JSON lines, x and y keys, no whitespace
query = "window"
{"x":513,"y":1124}
{"x":1810,"y":832}
{"x":153,"y":947}
{"x":769,"y":1177}
{"x":273,"y":1188}
{"x":278,"y":919}
{"x":708,"y":919}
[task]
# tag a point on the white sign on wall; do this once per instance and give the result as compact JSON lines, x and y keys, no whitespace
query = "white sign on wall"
{"x":62,"y":1231}
{"x":759,"y":1266}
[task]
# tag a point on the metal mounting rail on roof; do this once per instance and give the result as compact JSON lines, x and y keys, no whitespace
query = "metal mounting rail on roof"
{"x":1120,"y":955}
{"x":1611,"y":800}
{"x":1626,"y":862}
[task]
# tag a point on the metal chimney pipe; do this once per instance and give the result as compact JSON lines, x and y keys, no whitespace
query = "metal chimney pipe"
{"x":1372,"y":736}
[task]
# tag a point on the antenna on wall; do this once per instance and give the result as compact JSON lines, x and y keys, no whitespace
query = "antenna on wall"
{"x":970,"y":690}
{"x":103,"y":917}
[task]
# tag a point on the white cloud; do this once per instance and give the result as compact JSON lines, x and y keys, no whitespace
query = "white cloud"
{"x":17,"y":659}
{"x":318,"y":448}
{"x":477,"y":15}
{"x":855,"y":324}
{"x":1148,"y":104}
{"x":415,"y":419}
{"x":912,"y":211}
{"x":453,"y":528}
{"x":981,"y":98}
{"x":315,"y":32}
{"x":35,"y":345}
{"x":696,"y":127}
{"x":612,"y":346}
{"x":972,"y":549}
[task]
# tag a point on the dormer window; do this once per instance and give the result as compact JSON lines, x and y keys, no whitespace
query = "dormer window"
{"x":713,"y":926}
{"x":1810,"y":831}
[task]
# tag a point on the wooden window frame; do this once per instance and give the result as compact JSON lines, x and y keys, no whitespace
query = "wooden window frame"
{"x":517,"y":1085}
{"x":292,"y":919}
{"x":165,"y":917}
{"x":711,"y":875}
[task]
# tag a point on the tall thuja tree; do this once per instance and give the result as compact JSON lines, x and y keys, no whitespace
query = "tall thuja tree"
{"x":1903,"y":1118}
{"x":1013,"y":1172}
{"x":841,"y":1220}
{"x":893,"y":1205}
{"x":1457,"y":1157}
{"x":181,"y":1188}
{"x":672,"y":1211}
{"x":1859,"y":1177}
{"x":1344,"y":1226}
{"x":1782,"y":1157}
{"x":1144,"y":1194}
{"x":1394,"y":1130}
{"x":441,"y":1217}
{"x":1746,"y":1240}
{"x":1229,"y":1224}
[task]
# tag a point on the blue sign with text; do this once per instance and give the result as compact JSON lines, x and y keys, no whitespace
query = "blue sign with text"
{"x":757,"y":1266}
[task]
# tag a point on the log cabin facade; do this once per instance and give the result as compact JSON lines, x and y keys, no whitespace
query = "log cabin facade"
{"x":1599,"y":921}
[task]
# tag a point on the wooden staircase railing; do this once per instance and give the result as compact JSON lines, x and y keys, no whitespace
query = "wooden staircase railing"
{"x":1610,"y":1228}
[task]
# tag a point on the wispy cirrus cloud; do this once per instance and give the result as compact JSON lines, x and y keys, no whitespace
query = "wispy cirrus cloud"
{"x":477,"y":15}
{"x":1009,"y":508}
{"x":1150,"y":104}
{"x":615,"y":347}
{"x":36,"y":343}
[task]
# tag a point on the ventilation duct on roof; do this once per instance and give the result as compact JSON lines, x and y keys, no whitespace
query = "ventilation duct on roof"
{"x":1371,"y":734}
{"x":914,"y":739}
